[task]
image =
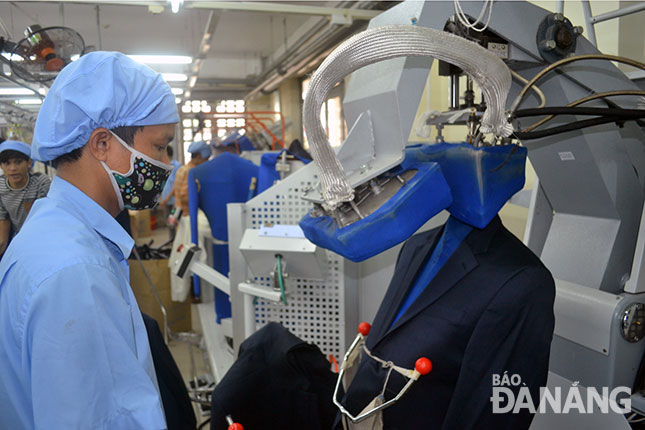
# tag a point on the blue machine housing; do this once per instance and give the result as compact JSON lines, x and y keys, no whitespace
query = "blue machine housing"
{"x":268,"y":174}
{"x":422,"y":197}
{"x":481,"y":180}
{"x":471,"y":183}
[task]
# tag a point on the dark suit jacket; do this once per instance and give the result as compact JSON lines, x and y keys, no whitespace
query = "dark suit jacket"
{"x":174,"y":395}
{"x":489,"y":310}
{"x":278,"y":382}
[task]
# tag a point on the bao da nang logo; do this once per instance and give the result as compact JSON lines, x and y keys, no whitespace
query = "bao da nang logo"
{"x":511,"y":395}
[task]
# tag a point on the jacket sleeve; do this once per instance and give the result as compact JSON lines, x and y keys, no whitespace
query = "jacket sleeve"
{"x":80,"y":354}
{"x":512,"y":337}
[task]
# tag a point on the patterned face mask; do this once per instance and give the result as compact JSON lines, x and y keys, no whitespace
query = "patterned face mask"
{"x":141,"y":187}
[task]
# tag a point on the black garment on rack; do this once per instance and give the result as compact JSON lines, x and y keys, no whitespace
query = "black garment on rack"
{"x":174,"y":395}
{"x":278,"y":382}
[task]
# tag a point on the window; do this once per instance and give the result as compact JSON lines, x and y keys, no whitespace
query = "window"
{"x":234,"y":121}
{"x":331,"y":115}
{"x":195,"y":126}
{"x":204,"y":120}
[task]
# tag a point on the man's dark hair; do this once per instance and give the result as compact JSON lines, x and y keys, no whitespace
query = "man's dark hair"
{"x":126,"y":133}
{"x":169,"y":151}
{"x":10,"y":154}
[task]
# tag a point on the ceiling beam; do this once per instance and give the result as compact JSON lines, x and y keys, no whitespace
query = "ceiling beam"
{"x":204,"y":48}
{"x":260,"y":6}
{"x":248,"y":6}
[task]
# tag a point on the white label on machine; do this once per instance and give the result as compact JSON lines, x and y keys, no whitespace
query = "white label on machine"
{"x":566,"y":156}
{"x":281,"y":230}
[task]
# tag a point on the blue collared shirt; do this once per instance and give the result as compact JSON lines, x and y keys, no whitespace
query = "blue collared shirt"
{"x":74,"y":352}
{"x":453,"y":234}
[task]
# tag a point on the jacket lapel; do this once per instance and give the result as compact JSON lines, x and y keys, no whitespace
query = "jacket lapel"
{"x":456,"y":268}
{"x":462,"y":262}
{"x":395,"y":296}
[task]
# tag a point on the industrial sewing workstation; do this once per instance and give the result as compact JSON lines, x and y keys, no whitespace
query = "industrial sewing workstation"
{"x":373,"y":215}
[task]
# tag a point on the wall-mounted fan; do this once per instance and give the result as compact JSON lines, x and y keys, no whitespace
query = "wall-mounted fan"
{"x":43,"y":52}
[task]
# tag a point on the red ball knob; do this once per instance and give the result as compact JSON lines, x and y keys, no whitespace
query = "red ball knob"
{"x":235,"y":426}
{"x":364,"y":328}
{"x":423,"y":366}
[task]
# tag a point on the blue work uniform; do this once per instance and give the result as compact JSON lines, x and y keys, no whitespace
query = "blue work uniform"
{"x":74,"y":353}
{"x":170,"y":183}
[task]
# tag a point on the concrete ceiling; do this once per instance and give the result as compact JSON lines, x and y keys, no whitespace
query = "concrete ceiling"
{"x":240,"y":42}
{"x":244,"y":46}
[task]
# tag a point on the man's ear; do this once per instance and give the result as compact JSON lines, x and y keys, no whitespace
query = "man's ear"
{"x":99,"y":143}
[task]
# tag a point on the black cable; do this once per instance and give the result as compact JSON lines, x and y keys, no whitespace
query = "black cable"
{"x":614,"y":105}
{"x":567,"y":127}
{"x":574,"y":110}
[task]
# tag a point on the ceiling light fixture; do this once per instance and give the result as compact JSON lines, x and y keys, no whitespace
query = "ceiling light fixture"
{"x":177,"y":91}
{"x":162,"y":59}
{"x":29,"y":101}
{"x":15,"y":91}
{"x":175,"y":5}
{"x":174,"y":77}
{"x":10,"y":56}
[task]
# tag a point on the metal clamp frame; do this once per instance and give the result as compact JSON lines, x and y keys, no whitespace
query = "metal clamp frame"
{"x":348,"y":361}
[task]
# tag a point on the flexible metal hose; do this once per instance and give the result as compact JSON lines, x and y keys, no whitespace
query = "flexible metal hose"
{"x":387,"y":42}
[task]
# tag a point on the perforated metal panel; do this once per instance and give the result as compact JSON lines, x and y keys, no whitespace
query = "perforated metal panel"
{"x":316,"y":311}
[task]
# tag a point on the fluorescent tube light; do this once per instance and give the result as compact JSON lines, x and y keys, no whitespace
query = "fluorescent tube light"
{"x":162,"y":59}
{"x":15,"y":92}
{"x":29,"y":101}
{"x":174,"y":77}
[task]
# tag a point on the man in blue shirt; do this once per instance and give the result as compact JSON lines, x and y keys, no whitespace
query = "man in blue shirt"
{"x":74,"y":353}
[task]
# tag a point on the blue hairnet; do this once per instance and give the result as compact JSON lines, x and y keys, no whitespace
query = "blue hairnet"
{"x":200,"y":147}
{"x":101,"y":89}
{"x":15,"y":145}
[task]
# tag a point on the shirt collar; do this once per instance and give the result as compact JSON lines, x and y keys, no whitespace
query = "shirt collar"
{"x":21,"y":188}
{"x":92,"y":214}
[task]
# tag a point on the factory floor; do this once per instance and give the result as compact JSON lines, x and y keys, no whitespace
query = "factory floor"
{"x":180,"y":349}
{"x":180,"y":352}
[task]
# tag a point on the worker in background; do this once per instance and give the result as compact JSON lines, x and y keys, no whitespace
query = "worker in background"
{"x":74,"y":353}
{"x":19,"y":188}
{"x":200,"y":152}
{"x":167,"y":196}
